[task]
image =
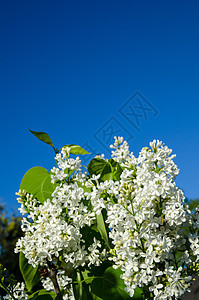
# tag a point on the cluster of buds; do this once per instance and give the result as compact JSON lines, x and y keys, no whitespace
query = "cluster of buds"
{"x":27,"y":201}
{"x":125,"y":193}
{"x":195,"y":267}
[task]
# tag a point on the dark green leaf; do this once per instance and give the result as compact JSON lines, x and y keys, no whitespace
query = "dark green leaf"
{"x":102,"y":229}
{"x":116,"y":169}
{"x":102,"y":167}
{"x":88,"y":234}
{"x":117,"y":172}
{"x":30,"y":275}
{"x":96,"y":166}
{"x":75,"y":149}
{"x":44,"y":137}
{"x":43,"y":295}
{"x":37,"y":181}
{"x":110,"y":285}
{"x":107,"y":173}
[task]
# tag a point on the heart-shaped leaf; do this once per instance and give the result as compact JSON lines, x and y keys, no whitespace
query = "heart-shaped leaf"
{"x":102,"y":167}
{"x":37,"y":181}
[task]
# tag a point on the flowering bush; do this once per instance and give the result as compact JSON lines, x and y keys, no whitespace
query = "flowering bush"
{"x":117,"y":229}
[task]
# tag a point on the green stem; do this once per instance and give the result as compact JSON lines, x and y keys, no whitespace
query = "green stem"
{"x":79,"y":284}
{"x":137,"y":226}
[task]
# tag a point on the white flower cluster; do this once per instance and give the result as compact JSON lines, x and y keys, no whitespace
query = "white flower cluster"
{"x":153,"y":233}
{"x":53,"y":229}
{"x":146,"y":223}
{"x":65,"y":282}
{"x":19,"y":292}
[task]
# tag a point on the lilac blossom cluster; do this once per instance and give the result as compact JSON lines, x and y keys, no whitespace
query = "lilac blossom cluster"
{"x":147,"y":223}
{"x":153,"y":233}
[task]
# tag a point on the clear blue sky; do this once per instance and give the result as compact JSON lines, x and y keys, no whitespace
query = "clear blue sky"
{"x":81,"y":70}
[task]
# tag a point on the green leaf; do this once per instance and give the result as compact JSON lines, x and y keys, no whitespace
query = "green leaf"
{"x":102,"y":167}
{"x":107,"y":173}
{"x":110,"y":286}
{"x":96,"y":166}
{"x":102,"y":229}
{"x":117,"y":169}
{"x":43,"y":295}
{"x":117,"y":172}
{"x":30,"y":275}
{"x":37,"y":181}
{"x":87,"y":276}
{"x":75,"y":149}
{"x":89,"y":233}
{"x":44,"y":137}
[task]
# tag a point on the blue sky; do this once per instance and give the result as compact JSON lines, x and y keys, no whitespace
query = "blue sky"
{"x":82,"y":70}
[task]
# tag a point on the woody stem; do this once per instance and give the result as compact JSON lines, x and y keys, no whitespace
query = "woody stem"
{"x":53,"y":276}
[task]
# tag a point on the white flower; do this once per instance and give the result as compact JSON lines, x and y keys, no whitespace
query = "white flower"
{"x":19,"y":292}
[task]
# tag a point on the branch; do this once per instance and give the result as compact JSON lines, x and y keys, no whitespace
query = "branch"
{"x":52,"y":274}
